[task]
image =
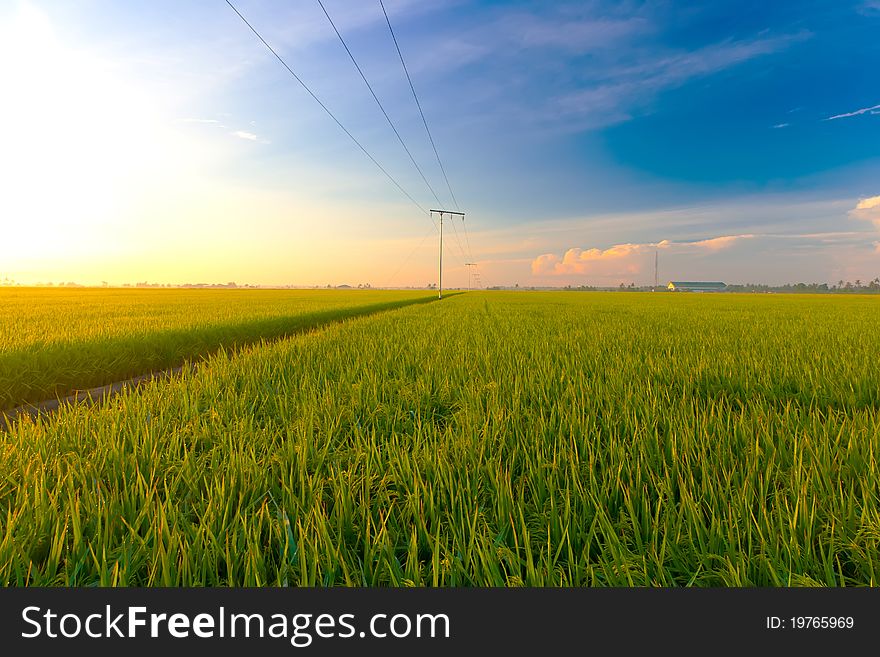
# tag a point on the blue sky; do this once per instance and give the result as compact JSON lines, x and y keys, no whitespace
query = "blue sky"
{"x":740,"y":140}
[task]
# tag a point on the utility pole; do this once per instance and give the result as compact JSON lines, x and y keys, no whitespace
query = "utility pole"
{"x":656,"y":279}
{"x":441,"y":213}
{"x":440,"y":286}
{"x":470,"y":264}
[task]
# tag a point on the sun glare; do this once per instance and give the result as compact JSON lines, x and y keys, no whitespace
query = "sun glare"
{"x":78,"y":141}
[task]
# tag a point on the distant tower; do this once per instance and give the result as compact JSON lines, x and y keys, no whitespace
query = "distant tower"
{"x":656,"y":270}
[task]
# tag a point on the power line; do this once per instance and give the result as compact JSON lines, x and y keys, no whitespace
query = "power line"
{"x":378,"y":102}
{"x":428,"y":132}
{"x":466,"y":256}
{"x":334,"y":118}
{"x":403,"y":264}
{"x":419,"y":105}
{"x":329,"y":113}
{"x":466,"y":238}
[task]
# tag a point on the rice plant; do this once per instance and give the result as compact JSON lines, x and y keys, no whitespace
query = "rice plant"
{"x":491,"y":439}
{"x":53,"y":341}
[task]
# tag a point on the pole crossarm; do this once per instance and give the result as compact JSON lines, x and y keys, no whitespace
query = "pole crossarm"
{"x":460,"y":214}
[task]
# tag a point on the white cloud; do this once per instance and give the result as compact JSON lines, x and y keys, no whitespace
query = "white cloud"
{"x":622,"y":259}
{"x":868,"y":209}
{"x":864,"y":110}
{"x":718,"y":243}
{"x":869,"y":203}
{"x":615,"y":260}
{"x":781,"y":125}
{"x":249,"y":136}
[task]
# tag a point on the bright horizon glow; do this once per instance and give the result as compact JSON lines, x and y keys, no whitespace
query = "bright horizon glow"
{"x":140,"y":148}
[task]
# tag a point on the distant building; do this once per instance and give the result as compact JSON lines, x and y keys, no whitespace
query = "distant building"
{"x":696,"y":286}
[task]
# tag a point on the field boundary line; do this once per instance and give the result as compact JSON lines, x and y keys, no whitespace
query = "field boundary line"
{"x":99,"y":394}
{"x":90,"y":396}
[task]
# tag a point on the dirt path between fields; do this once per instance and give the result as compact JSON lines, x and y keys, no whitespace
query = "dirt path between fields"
{"x":86,"y":397}
{"x":100,"y":394}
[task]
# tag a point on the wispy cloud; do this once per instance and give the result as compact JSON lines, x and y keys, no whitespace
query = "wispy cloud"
{"x":201,"y":121}
{"x":244,"y":134}
{"x":781,"y":125}
{"x":302,"y":25}
{"x":865,"y":110}
{"x":575,"y":35}
{"x":870,"y":8}
{"x":247,"y":135}
{"x":622,"y":90}
{"x":583,"y":66}
{"x":718,"y":243}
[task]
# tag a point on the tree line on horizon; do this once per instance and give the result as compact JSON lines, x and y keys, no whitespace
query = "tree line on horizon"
{"x":855,"y":287}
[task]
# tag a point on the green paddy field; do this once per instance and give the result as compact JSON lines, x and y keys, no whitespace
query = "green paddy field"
{"x":368,"y":438}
